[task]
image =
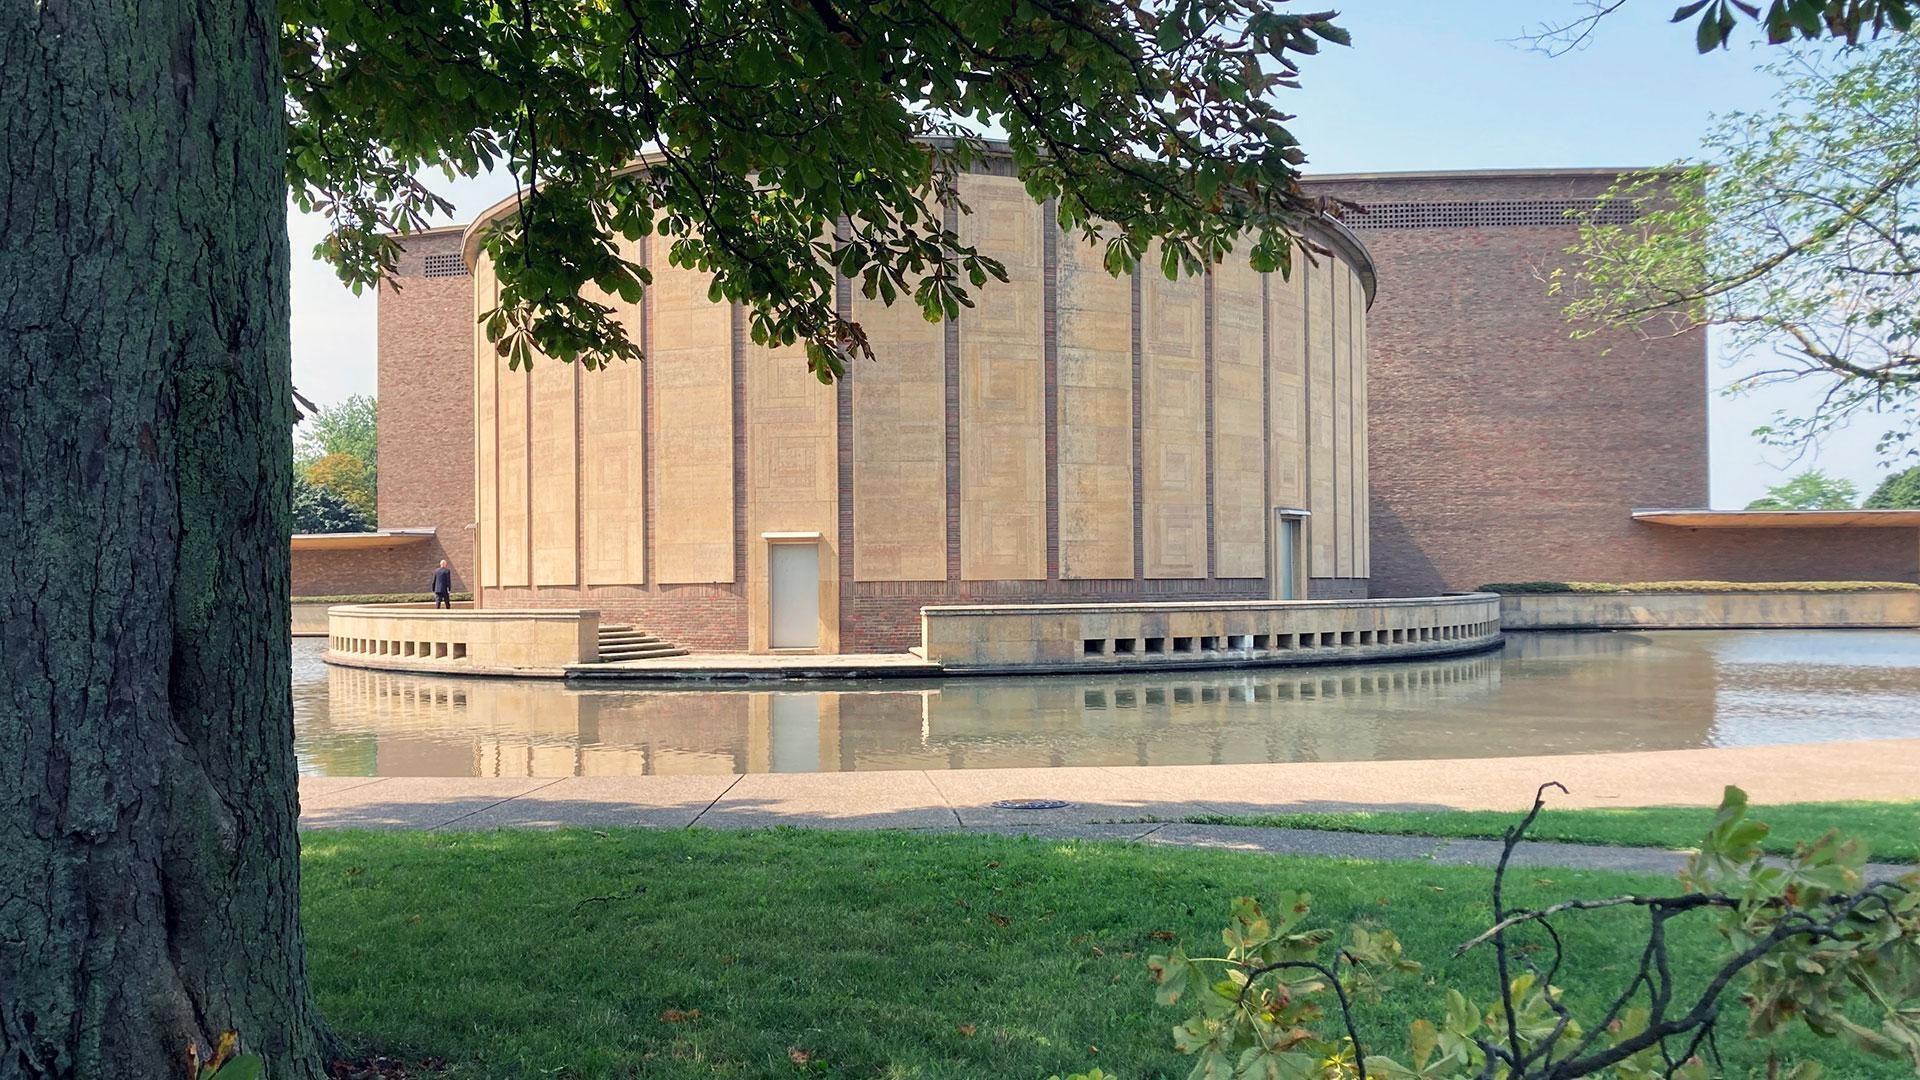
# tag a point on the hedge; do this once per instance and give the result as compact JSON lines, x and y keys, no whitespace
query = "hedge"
{"x":1696,"y":586}
{"x":377,"y":598}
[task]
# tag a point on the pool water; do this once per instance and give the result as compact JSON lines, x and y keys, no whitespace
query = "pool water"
{"x":1542,"y":693}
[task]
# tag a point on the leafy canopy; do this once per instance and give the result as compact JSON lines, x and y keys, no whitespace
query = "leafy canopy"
{"x":1901,"y":491}
{"x":783,"y":141}
{"x":1810,"y":490}
{"x":1716,"y":22}
{"x":1797,"y":235}
{"x":348,"y":427}
{"x":321,"y":510}
{"x":1787,"y":20}
{"x":347,"y":477}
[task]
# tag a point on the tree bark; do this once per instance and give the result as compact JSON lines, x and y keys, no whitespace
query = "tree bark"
{"x":149,"y":872}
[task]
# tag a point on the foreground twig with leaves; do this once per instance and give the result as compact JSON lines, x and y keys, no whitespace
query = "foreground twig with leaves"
{"x":1807,"y":938}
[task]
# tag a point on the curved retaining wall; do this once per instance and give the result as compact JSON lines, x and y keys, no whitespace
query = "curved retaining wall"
{"x":417,"y":637}
{"x":1129,"y":637}
{"x":1710,"y":611}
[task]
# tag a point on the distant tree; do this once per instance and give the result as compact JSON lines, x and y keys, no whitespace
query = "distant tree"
{"x":1796,"y":236}
{"x":319,"y":510}
{"x":1901,"y":491}
{"x":1811,"y":490}
{"x":347,"y":427}
{"x":347,"y":477}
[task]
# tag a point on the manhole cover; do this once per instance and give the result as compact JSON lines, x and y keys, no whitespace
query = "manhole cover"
{"x":1030,"y":804}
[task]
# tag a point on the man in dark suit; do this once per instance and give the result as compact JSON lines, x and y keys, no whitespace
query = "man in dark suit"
{"x":443,"y":585}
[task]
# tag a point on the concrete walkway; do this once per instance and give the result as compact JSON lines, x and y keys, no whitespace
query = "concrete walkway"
{"x":963,"y":800}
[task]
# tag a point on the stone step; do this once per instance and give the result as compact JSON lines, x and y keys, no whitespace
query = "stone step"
{"x":633,"y":647}
{"x":621,"y":641}
{"x":647,"y":654}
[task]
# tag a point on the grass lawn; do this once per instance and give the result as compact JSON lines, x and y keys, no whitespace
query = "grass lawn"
{"x":1891,"y":831}
{"x":589,"y":953}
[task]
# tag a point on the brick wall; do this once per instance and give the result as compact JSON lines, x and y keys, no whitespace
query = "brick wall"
{"x":396,"y":568}
{"x":1502,"y":450}
{"x":426,"y":402}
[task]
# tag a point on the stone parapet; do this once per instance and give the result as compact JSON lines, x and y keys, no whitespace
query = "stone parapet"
{"x":418,"y":637}
{"x":1140,"y":636}
{"x":1710,"y":611}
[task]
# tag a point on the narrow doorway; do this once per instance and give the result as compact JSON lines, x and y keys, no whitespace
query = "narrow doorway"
{"x":794,"y":621}
{"x":1286,"y":582}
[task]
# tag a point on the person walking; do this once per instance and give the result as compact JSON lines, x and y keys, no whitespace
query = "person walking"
{"x":443,"y":585}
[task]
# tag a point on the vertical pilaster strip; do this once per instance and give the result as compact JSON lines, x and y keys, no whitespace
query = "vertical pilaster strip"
{"x":1139,"y":528}
{"x":647,"y":486}
{"x":1206,"y":384}
{"x":580,"y":376}
{"x":843,"y":408}
{"x":526,"y":472}
{"x":1266,"y":425}
{"x":1305,"y":554}
{"x":1050,"y":376}
{"x":1356,"y":426}
{"x":951,"y":213}
{"x":1335,"y":314}
{"x":738,"y":397}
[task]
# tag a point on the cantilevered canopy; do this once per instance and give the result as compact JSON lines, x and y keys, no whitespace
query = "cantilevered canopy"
{"x":348,"y":541}
{"x":1781,"y":519}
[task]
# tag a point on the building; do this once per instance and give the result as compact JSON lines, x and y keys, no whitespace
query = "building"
{"x":1407,"y":417}
{"x":1504,"y":450}
{"x":1072,"y":437}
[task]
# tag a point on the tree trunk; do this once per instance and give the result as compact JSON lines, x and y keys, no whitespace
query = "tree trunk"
{"x":149,"y":873}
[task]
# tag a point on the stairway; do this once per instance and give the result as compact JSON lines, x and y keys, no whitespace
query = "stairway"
{"x":625,"y":643}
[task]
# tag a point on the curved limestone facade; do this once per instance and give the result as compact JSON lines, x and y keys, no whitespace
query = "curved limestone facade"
{"x":1074,"y":438}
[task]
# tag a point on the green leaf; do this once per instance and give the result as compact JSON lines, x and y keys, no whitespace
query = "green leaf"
{"x":243,"y":1067}
{"x":1708,"y":36}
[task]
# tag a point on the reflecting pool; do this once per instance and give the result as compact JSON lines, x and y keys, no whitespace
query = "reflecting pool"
{"x":1542,"y":693}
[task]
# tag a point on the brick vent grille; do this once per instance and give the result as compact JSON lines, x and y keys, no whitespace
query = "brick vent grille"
{"x":1499,"y":212}
{"x":444,"y":264}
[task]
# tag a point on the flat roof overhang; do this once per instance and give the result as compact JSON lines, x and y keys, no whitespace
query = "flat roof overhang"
{"x":1781,"y":519}
{"x":350,"y":541}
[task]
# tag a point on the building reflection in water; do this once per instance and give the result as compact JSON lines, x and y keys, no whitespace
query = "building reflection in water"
{"x":1542,"y":694}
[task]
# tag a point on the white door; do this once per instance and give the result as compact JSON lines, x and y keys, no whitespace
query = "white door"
{"x":795,"y":597}
{"x":1286,"y":558}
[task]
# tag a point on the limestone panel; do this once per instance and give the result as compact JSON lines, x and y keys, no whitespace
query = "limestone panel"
{"x":693,"y":428}
{"x":1173,"y":425}
{"x":486,"y":425}
{"x":792,"y":482}
{"x":1287,"y":386}
{"x":1320,"y":416}
{"x":1239,"y":423}
{"x":1343,"y":419}
{"x":899,"y":446}
{"x":613,"y":548}
{"x":1094,"y":328}
{"x":552,"y":467}
{"x":1003,"y":485}
{"x":512,"y":448}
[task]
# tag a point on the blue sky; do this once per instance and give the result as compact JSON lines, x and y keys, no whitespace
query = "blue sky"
{"x":1428,"y":84}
